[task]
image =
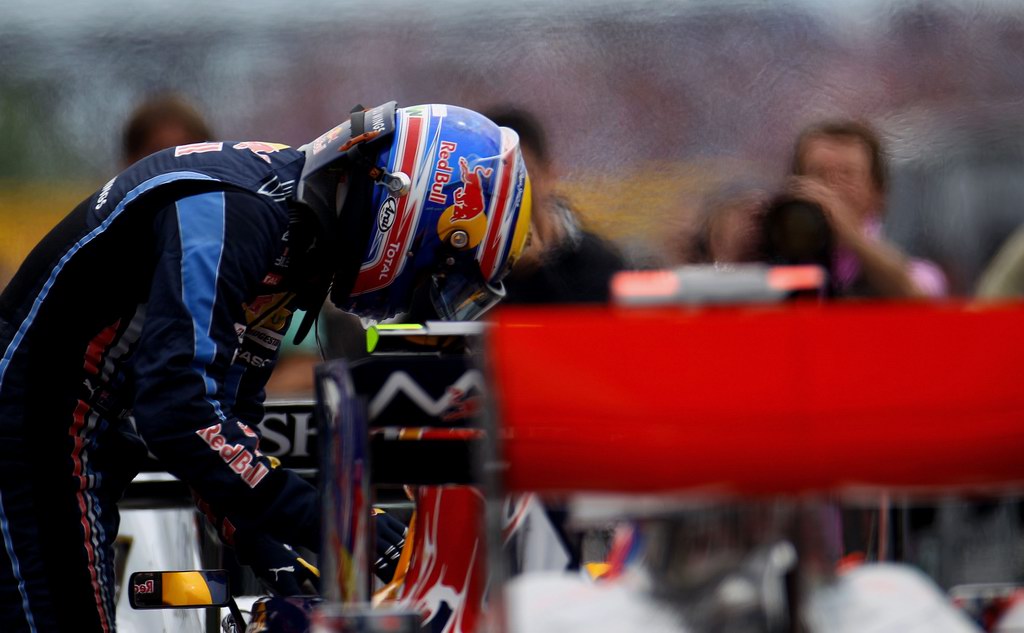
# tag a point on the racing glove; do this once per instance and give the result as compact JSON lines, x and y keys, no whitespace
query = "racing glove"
{"x":286,"y":573}
{"x":390,"y":539}
{"x":277,"y":565}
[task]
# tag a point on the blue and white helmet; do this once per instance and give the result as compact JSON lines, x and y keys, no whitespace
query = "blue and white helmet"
{"x":448,"y":203}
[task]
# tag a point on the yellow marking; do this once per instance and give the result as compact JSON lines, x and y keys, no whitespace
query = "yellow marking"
{"x":596,"y":570}
{"x":184,"y":588}
{"x":314,"y":570}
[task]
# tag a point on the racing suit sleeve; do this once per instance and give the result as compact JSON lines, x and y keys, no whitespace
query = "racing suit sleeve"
{"x":213,"y":251}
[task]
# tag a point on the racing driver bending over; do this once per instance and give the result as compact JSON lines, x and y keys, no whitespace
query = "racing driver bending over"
{"x":150,"y":318}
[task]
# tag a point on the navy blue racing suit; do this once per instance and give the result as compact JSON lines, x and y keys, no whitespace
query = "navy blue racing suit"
{"x":149,"y":318}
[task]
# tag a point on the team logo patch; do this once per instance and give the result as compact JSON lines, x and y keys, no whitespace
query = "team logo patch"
{"x":260,"y":148}
{"x":467,"y":212}
{"x":469,"y":198}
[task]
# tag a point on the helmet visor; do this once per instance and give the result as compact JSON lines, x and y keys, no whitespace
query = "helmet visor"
{"x":463,"y":297}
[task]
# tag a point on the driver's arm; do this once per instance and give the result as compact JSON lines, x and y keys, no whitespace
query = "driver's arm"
{"x":214,"y":250}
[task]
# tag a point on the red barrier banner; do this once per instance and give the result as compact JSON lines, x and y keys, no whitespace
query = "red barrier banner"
{"x":760,"y":400}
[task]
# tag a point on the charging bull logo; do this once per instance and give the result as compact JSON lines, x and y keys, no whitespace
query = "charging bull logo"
{"x":467,"y":214}
{"x":469,"y":198}
{"x":260,"y":148}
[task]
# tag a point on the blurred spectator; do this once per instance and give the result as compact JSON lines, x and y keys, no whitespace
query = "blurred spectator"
{"x":841,"y":167}
{"x":729,"y":225}
{"x":564,"y":262}
{"x":160,"y":122}
{"x":1004,"y":276}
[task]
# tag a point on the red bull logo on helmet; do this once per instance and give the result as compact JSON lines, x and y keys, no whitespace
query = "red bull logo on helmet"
{"x":442,"y":172}
{"x":469,"y":198}
{"x":467,"y":214}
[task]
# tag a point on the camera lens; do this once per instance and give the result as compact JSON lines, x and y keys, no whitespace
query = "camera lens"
{"x":797,"y":232}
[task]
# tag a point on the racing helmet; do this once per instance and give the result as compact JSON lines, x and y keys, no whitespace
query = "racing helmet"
{"x":429,"y":196}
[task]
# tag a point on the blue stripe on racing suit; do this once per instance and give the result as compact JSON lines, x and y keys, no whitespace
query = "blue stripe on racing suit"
{"x":201,"y":225}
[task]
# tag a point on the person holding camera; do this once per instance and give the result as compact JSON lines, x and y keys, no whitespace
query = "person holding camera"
{"x":840,"y":166}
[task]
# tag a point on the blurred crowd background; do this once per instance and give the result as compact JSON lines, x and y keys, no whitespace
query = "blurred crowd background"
{"x":653,"y":109}
{"x":649,"y":105}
